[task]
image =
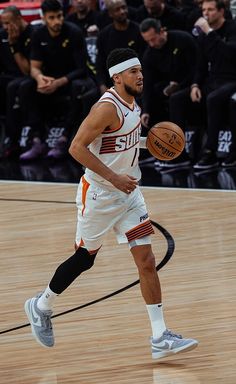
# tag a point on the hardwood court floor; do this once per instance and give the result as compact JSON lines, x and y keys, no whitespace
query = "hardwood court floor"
{"x":107,"y":342}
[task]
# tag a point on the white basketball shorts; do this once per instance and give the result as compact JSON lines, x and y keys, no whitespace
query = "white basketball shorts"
{"x":101,"y":208}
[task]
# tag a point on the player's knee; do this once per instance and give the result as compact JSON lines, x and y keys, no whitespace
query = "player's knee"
{"x":84,"y":259}
{"x":145,"y":262}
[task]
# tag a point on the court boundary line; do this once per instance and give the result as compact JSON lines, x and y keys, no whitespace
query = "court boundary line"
{"x":140,"y":186}
{"x":164,"y":261}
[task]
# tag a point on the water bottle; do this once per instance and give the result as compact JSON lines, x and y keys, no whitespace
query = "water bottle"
{"x":196,"y":31}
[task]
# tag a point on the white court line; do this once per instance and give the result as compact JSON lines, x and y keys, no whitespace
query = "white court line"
{"x":141,"y":186}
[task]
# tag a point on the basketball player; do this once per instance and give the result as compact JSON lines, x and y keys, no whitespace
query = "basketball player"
{"x":107,"y":144}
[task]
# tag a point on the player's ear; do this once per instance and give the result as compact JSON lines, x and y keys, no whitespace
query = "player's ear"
{"x":117,"y":78}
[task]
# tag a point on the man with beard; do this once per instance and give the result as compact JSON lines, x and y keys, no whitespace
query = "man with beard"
{"x":58,"y":69}
{"x":15,"y":41}
{"x":107,"y":145}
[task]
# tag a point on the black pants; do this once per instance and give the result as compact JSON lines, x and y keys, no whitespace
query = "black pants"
{"x":232,"y":122}
{"x":4,"y":81}
{"x":73,"y":101}
{"x":220,"y":111}
{"x":158,"y":104}
{"x":183,"y":112}
{"x":13,"y":116}
{"x":215,"y":110}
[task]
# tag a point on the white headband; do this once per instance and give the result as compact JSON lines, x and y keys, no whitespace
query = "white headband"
{"x":123,"y":66}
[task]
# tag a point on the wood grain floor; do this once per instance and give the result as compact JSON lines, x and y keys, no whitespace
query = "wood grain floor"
{"x":108,"y":342}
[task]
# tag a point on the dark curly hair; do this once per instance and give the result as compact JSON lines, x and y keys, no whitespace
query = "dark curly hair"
{"x":119,"y":55}
{"x":51,"y":6}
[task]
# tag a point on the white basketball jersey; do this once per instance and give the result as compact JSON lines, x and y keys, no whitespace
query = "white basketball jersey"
{"x":118,"y":149}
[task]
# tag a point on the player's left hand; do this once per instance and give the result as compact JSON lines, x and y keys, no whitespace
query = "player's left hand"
{"x":125,"y":183}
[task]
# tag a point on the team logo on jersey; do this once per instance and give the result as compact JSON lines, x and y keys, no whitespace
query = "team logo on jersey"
{"x":120,"y":143}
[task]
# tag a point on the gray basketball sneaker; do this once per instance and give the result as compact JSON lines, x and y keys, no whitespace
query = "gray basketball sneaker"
{"x":40,"y":322}
{"x":170,"y":343}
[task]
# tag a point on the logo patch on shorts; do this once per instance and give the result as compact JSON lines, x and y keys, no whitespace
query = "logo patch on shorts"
{"x":144,"y":217}
{"x":95,"y":196}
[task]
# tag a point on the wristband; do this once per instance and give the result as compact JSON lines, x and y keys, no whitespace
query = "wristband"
{"x":143,"y":142}
{"x":194,"y":86}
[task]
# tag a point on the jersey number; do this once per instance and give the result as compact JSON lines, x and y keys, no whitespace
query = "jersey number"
{"x":135,"y":154}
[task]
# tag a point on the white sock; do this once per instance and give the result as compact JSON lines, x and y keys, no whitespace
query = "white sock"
{"x":47,"y":300}
{"x":155,"y":313}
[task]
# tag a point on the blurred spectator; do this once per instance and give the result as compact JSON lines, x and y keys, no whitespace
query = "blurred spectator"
{"x":15,"y":51}
{"x":196,"y":12}
{"x":134,"y":3}
{"x":8,"y":67}
{"x":84,"y":17}
{"x":104,"y":17}
{"x":215,"y":77}
{"x":170,"y":17}
{"x":228,"y":14}
{"x":168,"y":66}
{"x":59,"y":71}
{"x":230,"y":160}
{"x":121,"y":33}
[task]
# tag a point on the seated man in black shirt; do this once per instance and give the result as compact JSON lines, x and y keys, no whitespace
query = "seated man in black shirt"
{"x":58,"y":69}
{"x":215,"y":77}
{"x":214,"y":81}
{"x":87,"y":20}
{"x":84,"y":17}
{"x":104,"y":17}
{"x":168,"y":66}
{"x":169,"y":16}
{"x":15,"y":41}
{"x":122,"y":33}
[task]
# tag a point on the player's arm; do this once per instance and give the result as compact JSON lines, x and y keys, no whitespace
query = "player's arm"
{"x":101,"y":116}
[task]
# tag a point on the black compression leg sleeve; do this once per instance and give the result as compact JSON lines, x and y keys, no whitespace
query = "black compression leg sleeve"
{"x":70,"y":269}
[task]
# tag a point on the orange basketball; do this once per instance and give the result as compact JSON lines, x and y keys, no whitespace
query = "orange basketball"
{"x":165,"y":140}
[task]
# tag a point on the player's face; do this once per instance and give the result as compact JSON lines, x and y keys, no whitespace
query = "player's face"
{"x":133,"y":80}
{"x":54,"y":21}
{"x":155,"y":39}
{"x":211,"y":13}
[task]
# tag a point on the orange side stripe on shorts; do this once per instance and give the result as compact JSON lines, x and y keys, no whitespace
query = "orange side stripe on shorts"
{"x":140,"y":230}
{"x":92,"y":252}
{"x":80,"y":245}
{"x":85,"y":188}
